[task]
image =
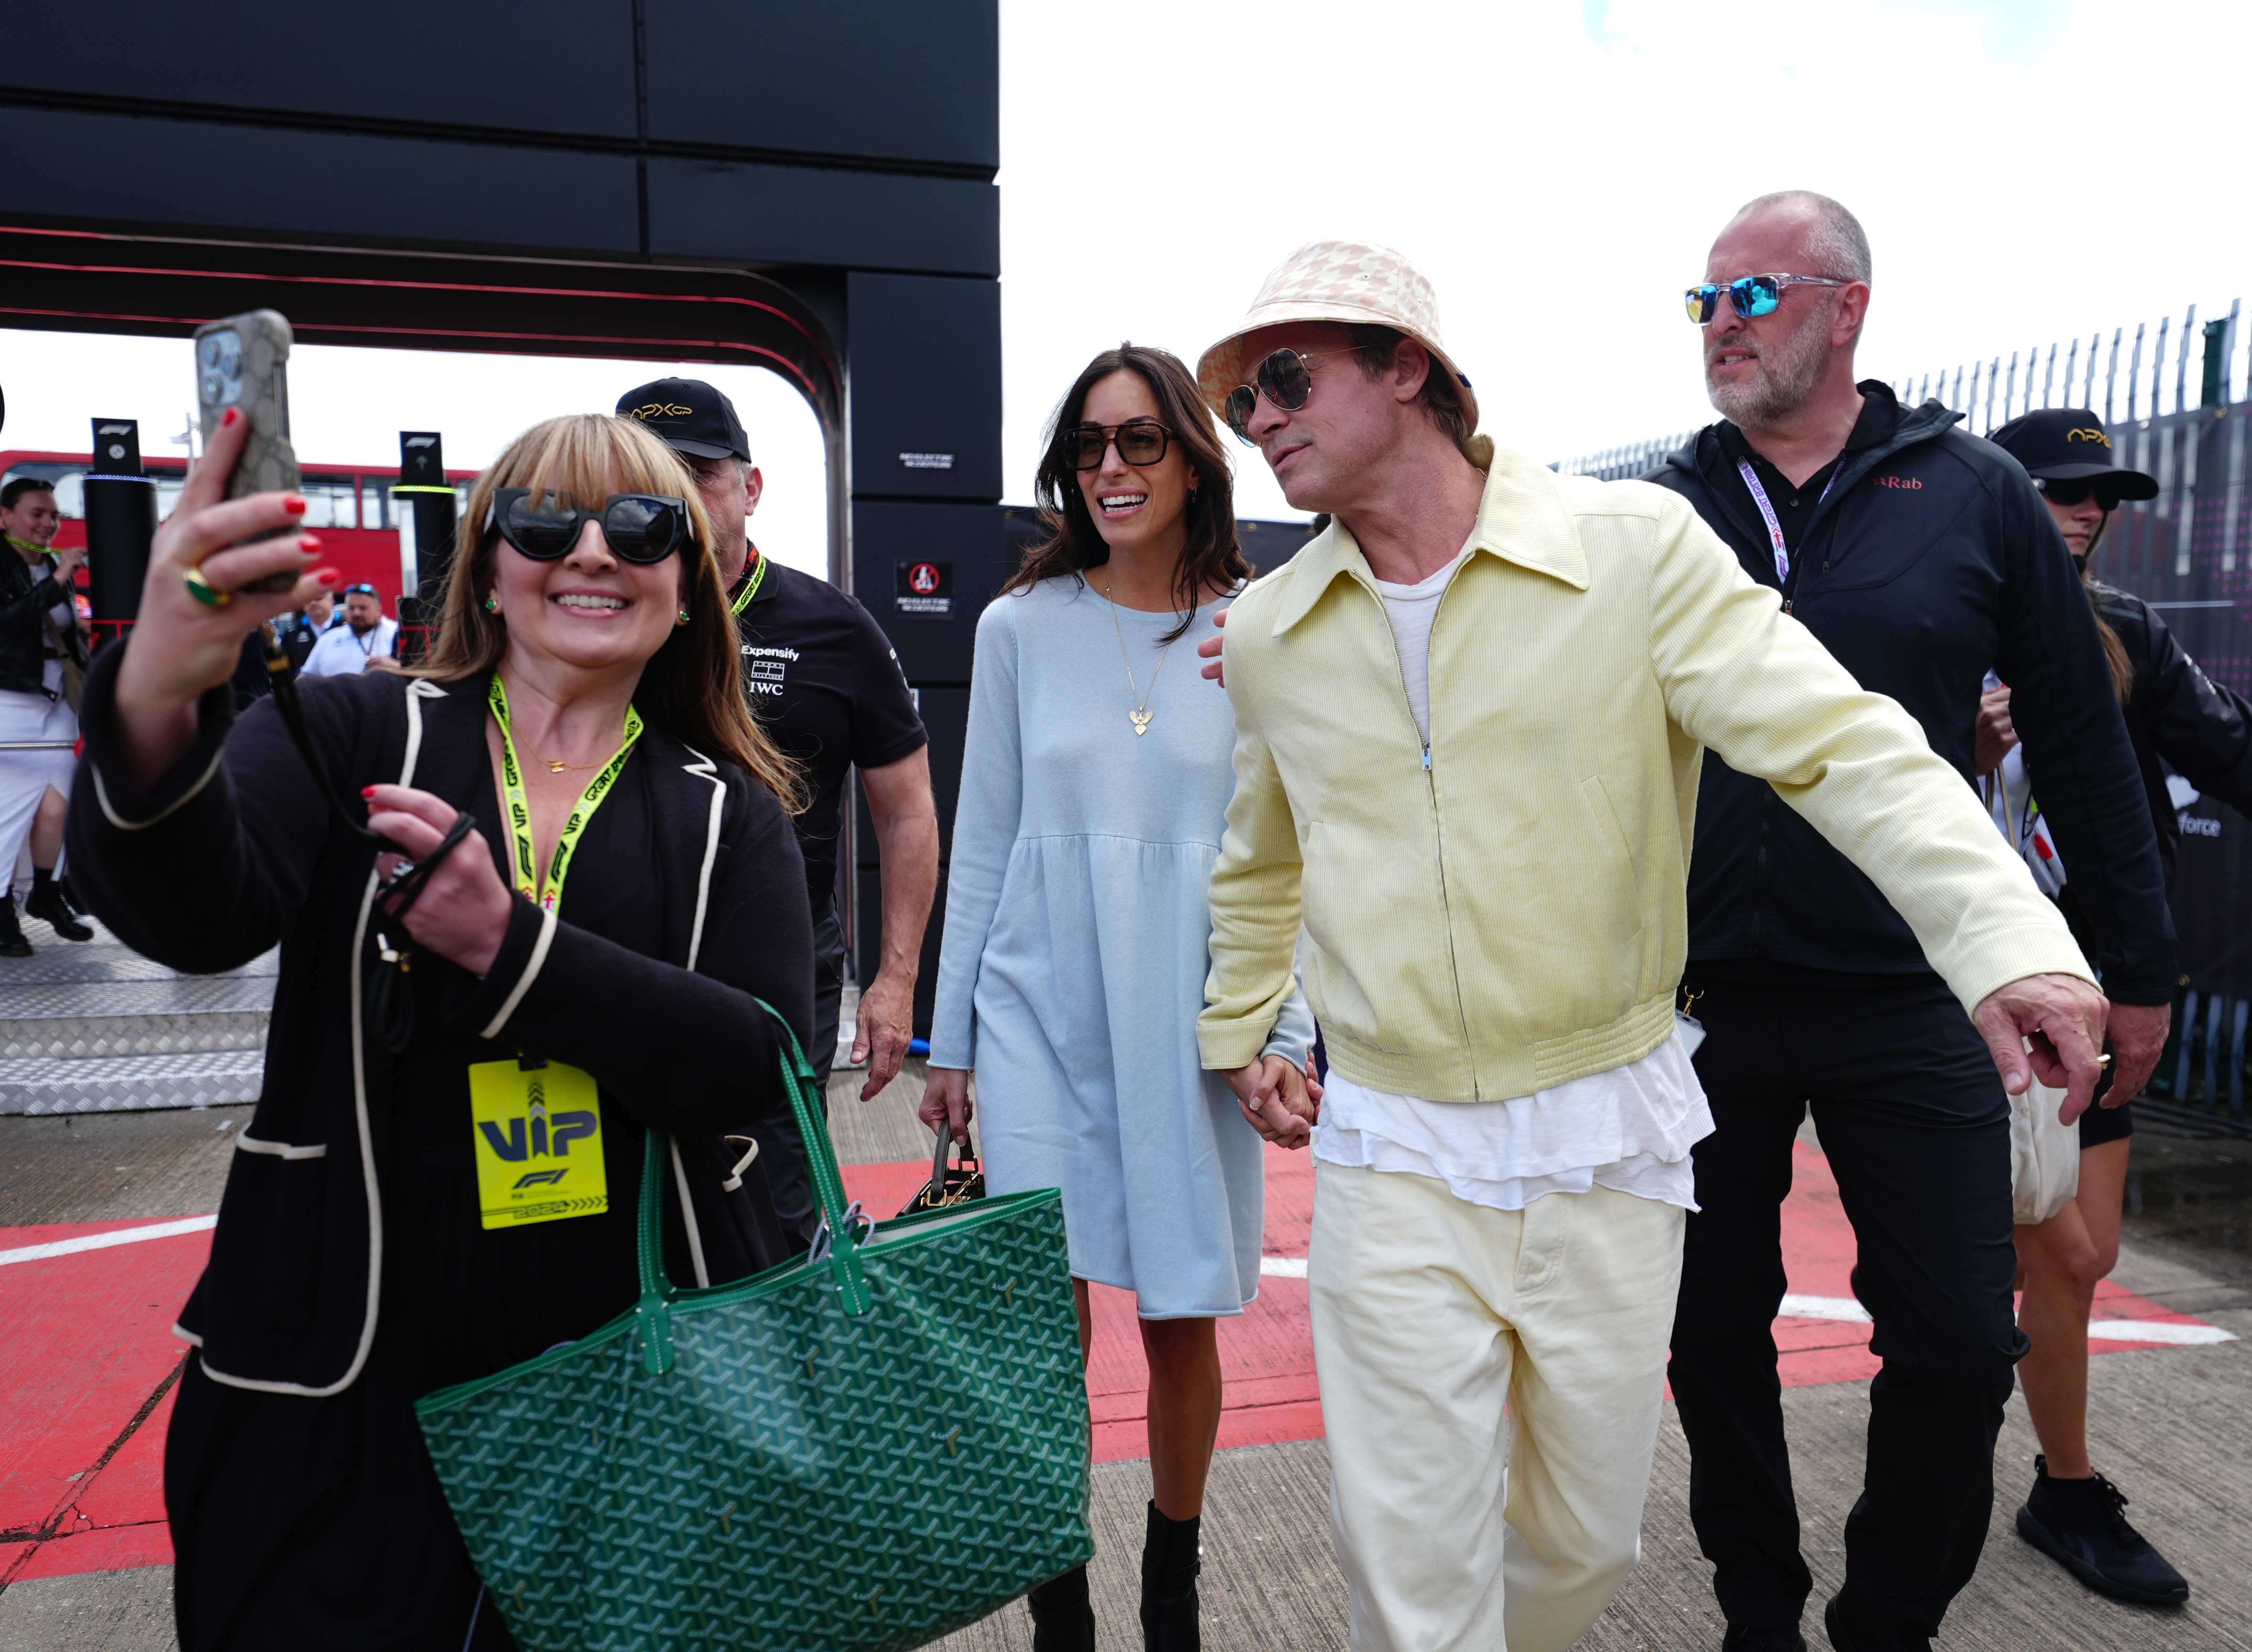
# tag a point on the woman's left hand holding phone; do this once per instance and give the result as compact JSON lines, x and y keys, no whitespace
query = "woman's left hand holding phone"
{"x":180,"y":649}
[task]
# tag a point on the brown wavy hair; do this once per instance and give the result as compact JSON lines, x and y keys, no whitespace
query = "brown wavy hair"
{"x":1211,"y":560}
{"x":691,"y":688}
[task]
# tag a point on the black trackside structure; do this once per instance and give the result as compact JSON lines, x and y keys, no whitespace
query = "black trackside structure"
{"x":807,"y":189}
{"x":120,"y":522}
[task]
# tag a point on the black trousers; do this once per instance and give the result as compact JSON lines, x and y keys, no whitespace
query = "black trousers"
{"x":1916,"y":1125}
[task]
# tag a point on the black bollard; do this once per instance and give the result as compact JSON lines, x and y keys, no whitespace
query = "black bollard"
{"x":424,"y":505}
{"x":120,"y":520}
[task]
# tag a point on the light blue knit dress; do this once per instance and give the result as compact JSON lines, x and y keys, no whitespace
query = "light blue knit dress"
{"x":1078,"y":938}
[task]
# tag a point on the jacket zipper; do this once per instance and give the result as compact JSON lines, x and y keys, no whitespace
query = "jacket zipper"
{"x":1438,"y":836}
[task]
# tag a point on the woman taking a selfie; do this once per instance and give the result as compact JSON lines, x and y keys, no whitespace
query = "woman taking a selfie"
{"x":584,"y":962}
{"x":1094,"y":789}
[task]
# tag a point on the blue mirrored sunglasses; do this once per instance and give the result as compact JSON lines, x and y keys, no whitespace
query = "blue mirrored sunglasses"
{"x":1748,"y":295}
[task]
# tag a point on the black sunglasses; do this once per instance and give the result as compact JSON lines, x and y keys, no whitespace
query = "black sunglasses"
{"x":2079,"y":490}
{"x":1285,"y":379}
{"x":1141,"y":441}
{"x":638,"y":527}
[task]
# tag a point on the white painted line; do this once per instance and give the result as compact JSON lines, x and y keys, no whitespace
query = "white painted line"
{"x":1843,"y":1308}
{"x":2156,"y":1330}
{"x":103,"y":1241}
{"x":1283,"y":1266}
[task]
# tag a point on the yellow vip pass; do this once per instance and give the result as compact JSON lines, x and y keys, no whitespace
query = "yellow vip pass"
{"x":539,"y":1130}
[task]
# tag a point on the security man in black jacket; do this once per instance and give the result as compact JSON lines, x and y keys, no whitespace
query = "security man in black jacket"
{"x":1921,"y":558}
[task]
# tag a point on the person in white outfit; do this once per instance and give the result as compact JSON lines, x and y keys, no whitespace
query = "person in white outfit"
{"x":41,"y":659}
{"x":365,"y":637}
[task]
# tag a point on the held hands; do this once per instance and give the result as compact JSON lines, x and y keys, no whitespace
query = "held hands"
{"x":463,"y":915}
{"x":2063,"y":1017}
{"x":1277,"y":1099}
{"x":946,"y":1103}
{"x":1209,"y":650}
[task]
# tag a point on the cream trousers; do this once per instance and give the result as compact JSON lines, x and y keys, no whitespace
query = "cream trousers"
{"x":1491,"y":1383}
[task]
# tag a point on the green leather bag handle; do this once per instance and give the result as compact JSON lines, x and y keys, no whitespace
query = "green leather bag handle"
{"x":843,"y":1260}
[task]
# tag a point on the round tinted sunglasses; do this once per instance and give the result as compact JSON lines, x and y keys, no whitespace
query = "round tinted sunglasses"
{"x":1285,"y":379}
{"x":638,"y":527}
{"x":2079,"y":490}
{"x":1143,"y":441}
{"x":1751,"y":295}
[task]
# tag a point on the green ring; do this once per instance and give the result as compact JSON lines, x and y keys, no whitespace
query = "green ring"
{"x":204,"y":591}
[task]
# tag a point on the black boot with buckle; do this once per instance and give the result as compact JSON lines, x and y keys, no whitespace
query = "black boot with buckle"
{"x":12,"y":944}
{"x":1169,"y":1565}
{"x":46,"y":902}
{"x":1063,"y":1619}
{"x":2082,"y":1525}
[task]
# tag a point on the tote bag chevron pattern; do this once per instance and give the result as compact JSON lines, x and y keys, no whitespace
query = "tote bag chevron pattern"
{"x":861,"y":1450}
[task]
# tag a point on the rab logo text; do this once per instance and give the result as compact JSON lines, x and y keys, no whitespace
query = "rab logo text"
{"x":1902,"y":483}
{"x":2087,"y":435}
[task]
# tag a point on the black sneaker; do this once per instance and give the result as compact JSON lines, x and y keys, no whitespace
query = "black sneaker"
{"x":2081,"y":1525}
{"x":1744,"y":1638}
{"x":1857,"y":1635}
{"x":46,"y":902}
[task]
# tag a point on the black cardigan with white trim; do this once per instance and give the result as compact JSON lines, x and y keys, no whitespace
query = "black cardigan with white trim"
{"x":231,"y":851}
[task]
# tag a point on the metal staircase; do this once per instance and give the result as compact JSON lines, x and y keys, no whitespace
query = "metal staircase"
{"x":93,"y":1027}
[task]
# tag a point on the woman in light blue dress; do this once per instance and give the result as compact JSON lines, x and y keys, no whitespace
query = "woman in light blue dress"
{"x":1094,"y":789}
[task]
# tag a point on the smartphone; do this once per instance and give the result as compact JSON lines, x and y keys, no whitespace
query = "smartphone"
{"x":243,"y":363}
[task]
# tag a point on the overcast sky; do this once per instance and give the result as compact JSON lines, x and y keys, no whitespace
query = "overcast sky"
{"x":2026,"y":171}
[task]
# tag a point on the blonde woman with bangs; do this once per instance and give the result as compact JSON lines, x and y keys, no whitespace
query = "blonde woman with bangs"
{"x":587,"y":959}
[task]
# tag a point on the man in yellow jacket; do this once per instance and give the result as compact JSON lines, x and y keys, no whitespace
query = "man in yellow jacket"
{"x":1470,"y":721}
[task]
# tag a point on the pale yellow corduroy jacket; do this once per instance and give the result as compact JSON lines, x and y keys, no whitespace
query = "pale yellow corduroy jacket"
{"x":1507,"y":910}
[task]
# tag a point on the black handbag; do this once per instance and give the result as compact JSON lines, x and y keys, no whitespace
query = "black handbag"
{"x":949,"y":1185}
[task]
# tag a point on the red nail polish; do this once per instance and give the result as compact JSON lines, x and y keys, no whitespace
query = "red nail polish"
{"x":295,"y":504}
{"x":308,"y":542}
{"x":367,"y":791}
{"x":227,"y":422}
{"x":328,"y":576}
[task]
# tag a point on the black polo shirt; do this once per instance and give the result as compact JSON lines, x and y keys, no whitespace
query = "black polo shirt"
{"x":828,"y":688}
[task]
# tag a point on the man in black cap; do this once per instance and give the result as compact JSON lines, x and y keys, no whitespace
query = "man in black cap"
{"x":827,"y":687}
{"x":1920,"y":557}
{"x":2178,"y":718}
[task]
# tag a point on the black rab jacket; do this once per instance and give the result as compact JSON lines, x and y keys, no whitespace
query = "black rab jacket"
{"x":1930,"y":561}
{"x":2175,"y":712}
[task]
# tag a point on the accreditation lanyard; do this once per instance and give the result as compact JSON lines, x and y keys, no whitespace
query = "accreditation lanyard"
{"x":1767,"y":514}
{"x":758,"y":578}
{"x":548,"y":893}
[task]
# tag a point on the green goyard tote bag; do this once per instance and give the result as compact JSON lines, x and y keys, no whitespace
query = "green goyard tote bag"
{"x":859,"y":1450}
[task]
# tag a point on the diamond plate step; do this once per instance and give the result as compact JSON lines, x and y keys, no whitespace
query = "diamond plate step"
{"x":125,"y":1083}
{"x":93,"y":1027}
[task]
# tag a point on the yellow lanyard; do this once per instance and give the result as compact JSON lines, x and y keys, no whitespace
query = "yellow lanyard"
{"x":549,"y":892}
{"x":758,"y":578}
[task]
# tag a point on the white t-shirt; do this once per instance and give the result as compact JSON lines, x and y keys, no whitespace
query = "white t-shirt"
{"x":342,"y":651}
{"x":1628,"y":1129}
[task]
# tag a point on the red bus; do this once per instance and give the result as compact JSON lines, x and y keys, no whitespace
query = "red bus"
{"x":350,"y":505}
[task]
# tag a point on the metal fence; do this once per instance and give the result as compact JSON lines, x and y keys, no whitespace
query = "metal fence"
{"x":2176,"y":399}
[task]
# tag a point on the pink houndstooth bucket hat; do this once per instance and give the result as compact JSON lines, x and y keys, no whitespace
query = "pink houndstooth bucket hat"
{"x":1357,"y":282}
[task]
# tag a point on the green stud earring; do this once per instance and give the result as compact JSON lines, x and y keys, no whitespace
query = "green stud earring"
{"x":492,"y":605}
{"x":682,"y":620}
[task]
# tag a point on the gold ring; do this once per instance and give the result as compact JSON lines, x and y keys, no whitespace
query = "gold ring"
{"x":204,"y":591}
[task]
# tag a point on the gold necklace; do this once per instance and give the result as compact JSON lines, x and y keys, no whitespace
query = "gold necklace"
{"x":1141,"y":714}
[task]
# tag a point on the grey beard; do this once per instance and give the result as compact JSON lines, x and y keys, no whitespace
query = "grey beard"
{"x":1787,"y":376}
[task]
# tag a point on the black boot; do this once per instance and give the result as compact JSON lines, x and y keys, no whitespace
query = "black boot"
{"x":12,"y":944}
{"x":1741,"y":1638}
{"x":1853,"y":1628}
{"x":1063,"y":1620}
{"x":1169,"y":1565}
{"x":46,"y":902}
{"x":78,"y":908}
{"x":2081,"y":1525}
